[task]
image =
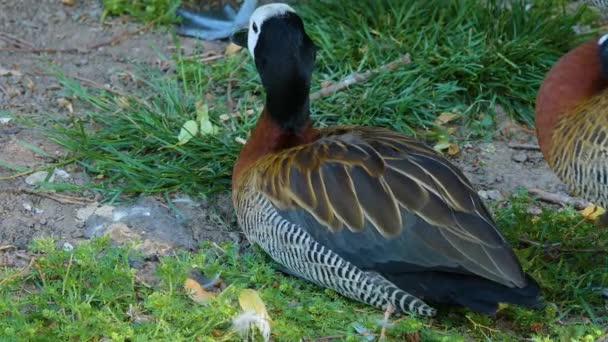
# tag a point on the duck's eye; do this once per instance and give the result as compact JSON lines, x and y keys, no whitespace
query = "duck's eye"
{"x":255,"y":27}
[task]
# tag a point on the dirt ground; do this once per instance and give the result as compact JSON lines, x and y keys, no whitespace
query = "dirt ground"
{"x":26,"y":90}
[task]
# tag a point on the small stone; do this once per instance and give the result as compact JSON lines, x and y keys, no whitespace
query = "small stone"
{"x":495,"y":195}
{"x":27,"y":206}
{"x":5,"y":121}
{"x":38,"y":177}
{"x":534,"y":211}
{"x":520,"y":157}
{"x":68,"y":247}
{"x":61,"y":174}
{"x":492,"y":195}
{"x":43,"y":222}
{"x":38,"y":211}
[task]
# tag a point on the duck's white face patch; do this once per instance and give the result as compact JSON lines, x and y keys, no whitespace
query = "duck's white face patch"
{"x":258,"y":17}
{"x":602,"y":39}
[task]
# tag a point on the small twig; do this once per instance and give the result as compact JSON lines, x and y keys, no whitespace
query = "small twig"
{"x":359,"y":77}
{"x":578,"y":203}
{"x":538,"y":244}
{"x":63,"y":199}
{"x":67,"y":274}
{"x":229,"y":101}
{"x":3,"y":248}
{"x":114,"y":91}
{"x":211,"y":58}
{"x":141,"y":281}
{"x":387,"y":314}
{"x":18,"y":274}
{"x":39,"y":269}
{"x":43,"y":50}
{"x":27,"y":47}
{"x":124,"y":35}
{"x":517,"y":146}
{"x":557,"y":247}
{"x":479,"y":325}
{"x":15,"y":40}
{"x":337,"y":337}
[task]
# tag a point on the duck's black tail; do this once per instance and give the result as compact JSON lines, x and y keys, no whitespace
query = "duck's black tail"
{"x":476,"y":293}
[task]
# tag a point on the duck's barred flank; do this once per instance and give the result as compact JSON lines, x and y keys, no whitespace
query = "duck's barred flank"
{"x":302,"y":256}
{"x":579,"y":154}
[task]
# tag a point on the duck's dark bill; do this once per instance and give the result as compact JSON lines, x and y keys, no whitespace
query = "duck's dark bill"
{"x":239,"y":37}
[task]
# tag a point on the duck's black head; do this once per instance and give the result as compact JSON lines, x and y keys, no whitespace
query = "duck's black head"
{"x":284,"y":57}
{"x":603,"y":49}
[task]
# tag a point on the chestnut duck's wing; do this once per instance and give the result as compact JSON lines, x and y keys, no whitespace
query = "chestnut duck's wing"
{"x":388,"y":204}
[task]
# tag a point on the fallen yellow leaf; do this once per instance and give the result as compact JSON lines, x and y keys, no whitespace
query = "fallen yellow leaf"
{"x":453,"y":149}
{"x":188,"y":131}
{"x":196,"y":292}
{"x":445,"y":117}
{"x":231,"y":49}
{"x":592,"y":212}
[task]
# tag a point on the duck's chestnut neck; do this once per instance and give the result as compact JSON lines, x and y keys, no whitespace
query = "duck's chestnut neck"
{"x":575,"y":78}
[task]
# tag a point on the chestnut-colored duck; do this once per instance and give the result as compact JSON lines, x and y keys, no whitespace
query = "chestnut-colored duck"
{"x":370,"y":213}
{"x":572,"y":121}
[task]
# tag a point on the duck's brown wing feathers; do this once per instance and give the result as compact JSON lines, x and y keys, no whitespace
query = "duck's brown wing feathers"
{"x":379,"y":198}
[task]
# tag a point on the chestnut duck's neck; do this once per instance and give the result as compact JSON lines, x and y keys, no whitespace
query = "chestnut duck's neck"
{"x":575,"y":78}
{"x":270,"y":136}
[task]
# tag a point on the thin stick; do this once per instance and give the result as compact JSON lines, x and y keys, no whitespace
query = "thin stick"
{"x":43,"y":50}
{"x":229,"y":100}
{"x":122,"y":36}
{"x":117,"y":92}
{"x":57,"y":198}
{"x":557,"y":247}
{"x":576,"y":202}
{"x":531,"y":147}
{"x":3,"y":248}
{"x":30,"y":48}
{"x":359,"y":77}
{"x":387,"y":314}
{"x":21,"y":272}
{"x":15,"y":40}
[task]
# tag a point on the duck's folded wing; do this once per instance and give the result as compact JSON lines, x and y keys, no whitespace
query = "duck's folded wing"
{"x":381,"y":199}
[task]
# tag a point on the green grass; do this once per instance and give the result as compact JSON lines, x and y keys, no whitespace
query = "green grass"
{"x":466,"y":58}
{"x":159,"y":11}
{"x":92,"y":292}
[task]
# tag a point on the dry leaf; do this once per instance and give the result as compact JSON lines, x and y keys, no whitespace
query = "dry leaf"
{"x":68,"y":2}
{"x":187,"y":132}
{"x":6,"y":72}
{"x":445,"y":117}
{"x":592,"y":212}
{"x":65,"y":103}
{"x":202,"y":115}
{"x":326,"y":84}
{"x":231,"y":49}
{"x":441,"y":145}
{"x":453,"y":149}
{"x":30,"y":84}
{"x":122,"y":102}
{"x":196,"y":291}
